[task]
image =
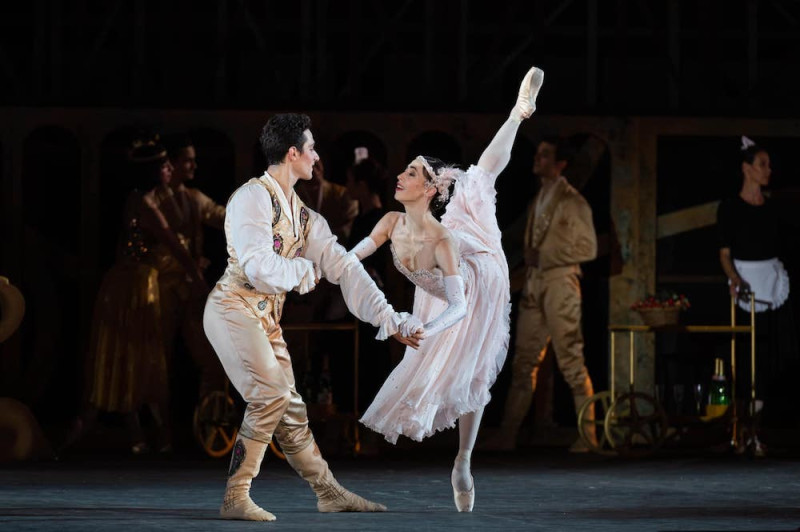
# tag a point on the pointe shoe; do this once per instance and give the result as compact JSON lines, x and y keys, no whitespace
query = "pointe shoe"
{"x":465,"y":500}
{"x":528,"y":90}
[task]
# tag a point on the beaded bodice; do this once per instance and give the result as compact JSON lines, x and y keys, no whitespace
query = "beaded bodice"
{"x":430,"y":281}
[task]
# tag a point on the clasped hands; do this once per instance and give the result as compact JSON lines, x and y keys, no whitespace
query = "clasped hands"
{"x":410,"y":331}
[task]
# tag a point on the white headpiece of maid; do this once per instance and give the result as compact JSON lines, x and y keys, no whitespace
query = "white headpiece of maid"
{"x":747,"y":142}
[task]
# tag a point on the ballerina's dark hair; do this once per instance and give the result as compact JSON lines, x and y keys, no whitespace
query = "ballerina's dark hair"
{"x":439,"y":201}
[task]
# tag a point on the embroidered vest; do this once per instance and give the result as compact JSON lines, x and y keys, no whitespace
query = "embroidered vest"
{"x":285,"y":244}
{"x":539,"y":222}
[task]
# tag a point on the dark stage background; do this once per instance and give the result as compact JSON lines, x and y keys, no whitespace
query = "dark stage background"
{"x":80,"y":79}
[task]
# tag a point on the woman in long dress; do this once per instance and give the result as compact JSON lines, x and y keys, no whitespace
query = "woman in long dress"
{"x":126,"y":364}
{"x":462,"y":296}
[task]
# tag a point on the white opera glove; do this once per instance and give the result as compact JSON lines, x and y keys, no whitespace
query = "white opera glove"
{"x":309,"y":280}
{"x":364,"y":249}
{"x":456,"y":306}
{"x":410,"y":325}
{"x":526,"y":99}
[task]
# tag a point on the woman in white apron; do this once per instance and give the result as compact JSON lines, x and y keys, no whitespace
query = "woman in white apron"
{"x":751,"y":233}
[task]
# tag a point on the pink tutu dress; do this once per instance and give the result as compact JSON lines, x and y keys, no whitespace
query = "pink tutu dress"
{"x":451,"y":372}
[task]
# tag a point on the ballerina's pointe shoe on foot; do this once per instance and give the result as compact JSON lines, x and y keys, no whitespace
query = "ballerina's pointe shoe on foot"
{"x":465,"y":500}
{"x":528,"y":90}
{"x":460,"y":478}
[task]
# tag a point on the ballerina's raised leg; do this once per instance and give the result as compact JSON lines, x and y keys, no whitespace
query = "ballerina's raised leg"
{"x":494,"y":160}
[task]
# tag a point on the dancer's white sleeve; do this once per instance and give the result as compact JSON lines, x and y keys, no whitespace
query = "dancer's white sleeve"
{"x":456,"y":306}
{"x":363,"y":298}
{"x":249,"y":218}
{"x":364,"y":249}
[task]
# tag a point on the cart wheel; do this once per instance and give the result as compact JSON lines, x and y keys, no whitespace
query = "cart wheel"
{"x":599,"y":443}
{"x":215,"y":423}
{"x":635,"y":424}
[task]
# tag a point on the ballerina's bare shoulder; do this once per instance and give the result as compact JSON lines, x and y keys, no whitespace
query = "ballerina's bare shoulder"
{"x":417,"y":252}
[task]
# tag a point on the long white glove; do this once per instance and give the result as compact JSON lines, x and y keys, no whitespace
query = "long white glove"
{"x":364,"y":249}
{"x":456,"y":306}
{"x":410,"y":324}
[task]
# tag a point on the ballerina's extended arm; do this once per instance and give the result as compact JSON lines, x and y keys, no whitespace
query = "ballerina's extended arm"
{"x":379,"y":235}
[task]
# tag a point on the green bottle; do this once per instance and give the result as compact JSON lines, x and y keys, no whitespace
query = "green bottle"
{"x":719,"y":396}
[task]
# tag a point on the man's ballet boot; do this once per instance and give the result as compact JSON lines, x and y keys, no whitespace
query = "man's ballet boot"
{"x":245,"y":465}
{"x":580,"y":395}
{"x":528,"y":90}
{"x":331,"y":496}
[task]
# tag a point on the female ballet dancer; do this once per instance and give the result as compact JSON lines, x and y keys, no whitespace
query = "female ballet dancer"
{"x":462,"y":294}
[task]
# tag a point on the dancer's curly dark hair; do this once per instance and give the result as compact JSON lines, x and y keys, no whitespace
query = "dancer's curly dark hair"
{"x":281,"y":132}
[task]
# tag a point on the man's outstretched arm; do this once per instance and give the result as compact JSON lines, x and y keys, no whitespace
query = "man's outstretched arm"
{"x":362,"y":296}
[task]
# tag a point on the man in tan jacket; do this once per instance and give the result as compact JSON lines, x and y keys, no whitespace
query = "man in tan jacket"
{"x":188,"y":212}
{"x":559,"y":235}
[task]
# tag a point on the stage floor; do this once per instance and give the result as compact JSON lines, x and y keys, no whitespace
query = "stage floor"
{"x":530,"y":490}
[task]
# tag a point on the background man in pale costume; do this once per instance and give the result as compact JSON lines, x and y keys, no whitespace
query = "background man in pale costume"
{"x":558,"y":237}
{"x":188,"y":211}
{"x":276,"y":244}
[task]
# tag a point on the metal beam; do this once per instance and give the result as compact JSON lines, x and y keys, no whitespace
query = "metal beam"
{"x":685,"y":220}
{"x":354,"y":39}
{"x":389,"y":30}
{"x":752,"y":45}
{"x":39,"y":51}
{"x":591,"y":53}
{"x":430,"y":32}
{"x":221,"y":68}
{"x":463,"y":32}
{"x":306,"y":14}
{"x":524,"y":44}
{"x":139,"y":47}
{"x":557,"y":11}
{"x":674,"y":29}
{"x":100,"y":40}
{"x":252,"y":25}
{"x":8,"y":69}
{"x":322,"y":49}
{"x":56,"y":44}
{"x":780,"y":8}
